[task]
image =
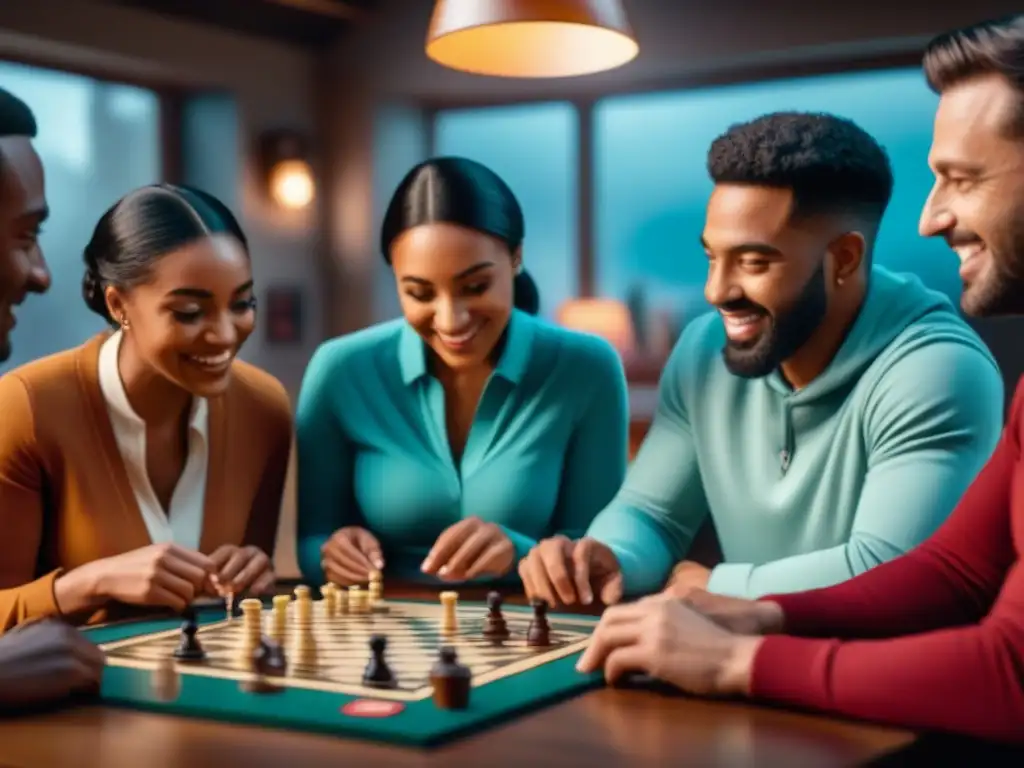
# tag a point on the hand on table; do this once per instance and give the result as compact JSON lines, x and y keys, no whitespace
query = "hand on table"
{"x":687,"y":576}
{"x":565,"y":572}
{"x":663,"y":637}
{"x":160,"y":575}
{"x":470,"y":549}
{"x":350,"y":555}
{"x":745,"y":617}
{"x":46,"y":661}
{"x":242,"y":570}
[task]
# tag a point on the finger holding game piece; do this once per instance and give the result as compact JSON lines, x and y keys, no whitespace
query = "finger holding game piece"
{"x":350,"y":555}
{"x":469,"y":549}
{"x":451,"y":681}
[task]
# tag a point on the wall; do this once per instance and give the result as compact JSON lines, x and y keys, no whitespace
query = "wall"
{"x":272,"y":86}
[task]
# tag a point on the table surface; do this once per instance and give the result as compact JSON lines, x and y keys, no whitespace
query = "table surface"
{"x":608,"y":726}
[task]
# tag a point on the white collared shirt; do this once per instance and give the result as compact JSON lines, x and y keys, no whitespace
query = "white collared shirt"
{"x":183,"y":523}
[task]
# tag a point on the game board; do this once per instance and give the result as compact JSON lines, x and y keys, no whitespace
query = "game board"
{"x":330,"y":697}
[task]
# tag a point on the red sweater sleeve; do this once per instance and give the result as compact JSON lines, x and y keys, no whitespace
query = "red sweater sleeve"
{"x":953,"y":613}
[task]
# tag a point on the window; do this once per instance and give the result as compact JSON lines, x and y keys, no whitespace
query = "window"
{"x":534,"y":148}
{"x":97,"y":141}
{"x":652,"y":186}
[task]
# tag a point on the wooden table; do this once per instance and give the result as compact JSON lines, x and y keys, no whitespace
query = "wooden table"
{"x":607,"y":727}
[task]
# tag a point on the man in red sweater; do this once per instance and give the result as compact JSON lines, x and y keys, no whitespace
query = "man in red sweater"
{"x":933,"y":640}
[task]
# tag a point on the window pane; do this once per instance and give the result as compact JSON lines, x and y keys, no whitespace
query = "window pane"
{"x":97,"y":141}
{"x":534,"y":148}
{"x":652,"y":186}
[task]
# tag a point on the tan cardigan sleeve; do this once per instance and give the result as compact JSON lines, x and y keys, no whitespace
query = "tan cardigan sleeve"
{"x":22,"y":596}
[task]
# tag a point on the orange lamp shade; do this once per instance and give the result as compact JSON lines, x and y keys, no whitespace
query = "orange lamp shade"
{"x":607,"y":318}
{"x":530,"y":38}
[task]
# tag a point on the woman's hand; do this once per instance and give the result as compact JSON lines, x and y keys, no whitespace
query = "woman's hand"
{"x":350,"y":556}
{"x":242,"y":571}
{"x":470,"y":549}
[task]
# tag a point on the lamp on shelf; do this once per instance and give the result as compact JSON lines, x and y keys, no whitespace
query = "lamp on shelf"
{"x":608,"y":318}
{"x":530,"y":38}
{"x":286,"y":172}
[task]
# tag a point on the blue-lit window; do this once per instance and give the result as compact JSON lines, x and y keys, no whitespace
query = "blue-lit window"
{"x":97,"y":141}
{"x":652,"y":185}
{"x":534,"y":148}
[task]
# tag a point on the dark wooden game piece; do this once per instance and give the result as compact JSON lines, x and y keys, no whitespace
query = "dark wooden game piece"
{"x":539,"y":633}
{"x":269,"y":658}
{"x":189,"y":649}
{"x":495,"y":627}
{"x":268,"y":661}
{"x":451,"y":681}
{"x":378,"y":674}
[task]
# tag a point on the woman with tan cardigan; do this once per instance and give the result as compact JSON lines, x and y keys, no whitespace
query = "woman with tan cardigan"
{"x":146,"y":467}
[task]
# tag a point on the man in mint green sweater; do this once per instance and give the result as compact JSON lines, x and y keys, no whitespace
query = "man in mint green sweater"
{"x":827,"y":417}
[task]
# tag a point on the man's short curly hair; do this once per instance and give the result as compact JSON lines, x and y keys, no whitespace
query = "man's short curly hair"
{"x":832,"y":165}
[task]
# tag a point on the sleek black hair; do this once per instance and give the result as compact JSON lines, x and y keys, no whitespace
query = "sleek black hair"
{"x":456,"y":190}
{"x":16,"y":119}
{"x":144,"y":226}
{"x":830,"y":164}
{"x":990,"y":47}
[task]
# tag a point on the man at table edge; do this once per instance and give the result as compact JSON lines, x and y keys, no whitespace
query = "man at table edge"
{"x":43,"y":661}
{"x":932,"y":640}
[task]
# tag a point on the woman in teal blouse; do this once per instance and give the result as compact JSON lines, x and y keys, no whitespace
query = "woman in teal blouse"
{"x":444,"y":444}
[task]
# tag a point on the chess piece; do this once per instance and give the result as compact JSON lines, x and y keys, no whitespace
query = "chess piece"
{"x":165,"y":680}
{"x":189,"y":648}
{"x":378,"y":674}
{"x":495,"y":627}
{"x":279,"y":623}
{"x":539,"y":633}
{"x":451,"y":681}
{"x":449,"y":614}
{"x":252,"y":627}
{"x":268,"y":661}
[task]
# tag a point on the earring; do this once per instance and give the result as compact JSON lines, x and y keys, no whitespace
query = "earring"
{"x":125,"y":325}
{"x":839,"y":281}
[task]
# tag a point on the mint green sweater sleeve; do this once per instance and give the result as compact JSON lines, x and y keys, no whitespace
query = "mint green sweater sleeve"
{"x":927,"y":438}
{"x":325,"y":464}
{"x":651,"y":522}
{"x":598,"y":452}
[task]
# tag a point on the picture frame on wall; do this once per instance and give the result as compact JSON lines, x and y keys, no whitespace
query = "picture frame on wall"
{"x":283,"y":315}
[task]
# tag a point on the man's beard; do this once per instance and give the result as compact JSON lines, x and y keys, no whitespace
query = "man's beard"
{"x":1000,"y":288}
{"x":786,"y":333}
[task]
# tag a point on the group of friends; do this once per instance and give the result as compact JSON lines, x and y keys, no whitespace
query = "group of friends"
{"x":841,"y":425}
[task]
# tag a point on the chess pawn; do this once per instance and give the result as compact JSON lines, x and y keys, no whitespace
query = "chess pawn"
{"x":539,"y":633}
{"x":189,"y":649}
{"x":451,"y":681}
{"x":378,"y":674}
{"x":495,"y":627}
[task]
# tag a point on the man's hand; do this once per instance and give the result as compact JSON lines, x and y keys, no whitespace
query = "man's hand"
{"x":745,"y":617}
{"x":564,"y":572}
{"x":671,"y":642}
{"x":242,"y":570}
{"x":46,"y":661}
{"x":470,"y":549}
{"x":687,"y":576}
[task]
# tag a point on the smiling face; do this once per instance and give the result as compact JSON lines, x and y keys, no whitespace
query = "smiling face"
{"x":455,"y":285}
{"x":22,"y":212}
{"x":977,"y":203}
{"x":766,"y":275}
{"x":191,"y":317}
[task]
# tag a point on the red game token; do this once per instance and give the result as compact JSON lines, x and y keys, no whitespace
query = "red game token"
{"x":372,"y":708}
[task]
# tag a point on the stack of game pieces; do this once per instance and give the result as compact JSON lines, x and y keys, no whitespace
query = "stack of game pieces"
{"x":279,"y":622}
{"x":252,"y":627}
{"x":357,"y":599}
{"x":376,"y":593}
{"x":329,"y":592}
{"x":305,"y":644}
{"x":449,"y":617}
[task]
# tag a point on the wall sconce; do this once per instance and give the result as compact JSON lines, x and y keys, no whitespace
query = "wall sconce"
{"x":607,"y":318}
{"x":285,"y":169}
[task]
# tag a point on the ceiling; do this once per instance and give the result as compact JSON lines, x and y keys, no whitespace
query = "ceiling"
{"x":309,"y":23}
